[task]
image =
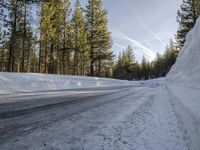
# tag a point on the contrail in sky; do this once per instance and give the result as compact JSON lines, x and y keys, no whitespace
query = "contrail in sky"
{"x":138,"y":48}
{"x":143,"y":24}
{"x":141,"y":49}
{"x":119,"y":45}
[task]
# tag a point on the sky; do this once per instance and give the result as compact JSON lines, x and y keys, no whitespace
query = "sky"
{"x":146,"y":25}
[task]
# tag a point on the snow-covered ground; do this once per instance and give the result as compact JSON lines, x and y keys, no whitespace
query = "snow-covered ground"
{"x":32,"y":82}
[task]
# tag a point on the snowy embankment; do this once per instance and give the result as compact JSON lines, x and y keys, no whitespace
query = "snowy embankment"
{"x":31,"y":82}
{"x":185,"y":74}
{"x":183,"y":82}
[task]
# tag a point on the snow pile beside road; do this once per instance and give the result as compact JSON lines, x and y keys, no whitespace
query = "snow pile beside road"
{"x":30,"y":82}
{"x":183,"y":82}
{"x":157,"y":81}
{"x":186,"y":72}
{"x":187,"y":67}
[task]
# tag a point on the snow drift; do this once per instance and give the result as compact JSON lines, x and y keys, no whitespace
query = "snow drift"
{"x":186,"y":72}
{"x":187,"y":67}
{"x":31,"y":82}
{"x":183,"y":82}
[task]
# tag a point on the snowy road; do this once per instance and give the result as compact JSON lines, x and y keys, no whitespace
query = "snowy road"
{"x":139,"y":117}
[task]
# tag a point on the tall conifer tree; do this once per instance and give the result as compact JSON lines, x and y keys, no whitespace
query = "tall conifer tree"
{"x":80,"y":44}
{"x":98,"y":36}
{"x":51,"y":29}
{"x":187,"y":16}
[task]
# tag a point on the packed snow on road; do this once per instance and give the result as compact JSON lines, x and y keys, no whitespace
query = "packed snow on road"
{"x":144,"y":115}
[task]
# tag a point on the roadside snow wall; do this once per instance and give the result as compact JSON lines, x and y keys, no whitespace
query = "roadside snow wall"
{"x":183,"y":82}
{"x":29,"y":82}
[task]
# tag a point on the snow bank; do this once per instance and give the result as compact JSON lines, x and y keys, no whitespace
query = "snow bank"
{"x":30,"y":82}
{"x":187,"y":66}
{"x":186,"y":72}
{"x":183,"y":82}
{"x":154,"y":81}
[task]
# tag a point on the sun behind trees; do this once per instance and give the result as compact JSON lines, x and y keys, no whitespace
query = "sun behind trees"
{"x":61,"y":42}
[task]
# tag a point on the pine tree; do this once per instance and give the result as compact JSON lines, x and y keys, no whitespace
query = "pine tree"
{"x":24,"y":34}
{"x":187,"y":16}
{"x":66,"y":39}
{"x":12,"y":8}
{"x":118,"y":68}
{"x":126,"y":67}
{"x":15,"y":19}
{"x":1,"y":23}
{"x":129,"y":62}
{"x":80,"y":44}
{"x":51,"y":22}
{"x":145,"y":68}
{"x":158,"y":66}
{"x":169,"y":56}
{"x":30,"y":53}
{"x":197,"y":5}
{"x":68,"y":44}
{"x":98,"y":36}
{"x":2,"y":37}
{"x":3,"y":55}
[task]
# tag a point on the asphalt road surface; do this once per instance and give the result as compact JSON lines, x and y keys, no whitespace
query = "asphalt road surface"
{"x":23,"y":112}
{"x":139,"y":117}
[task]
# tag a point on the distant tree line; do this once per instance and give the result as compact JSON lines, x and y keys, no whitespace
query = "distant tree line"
{"x":47,"y":36}
{"x":126,"y":67}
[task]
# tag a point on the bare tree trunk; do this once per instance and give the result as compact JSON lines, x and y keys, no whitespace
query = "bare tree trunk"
{"x":58,"y":61}
{"x":24,"y":37}
{"x":75,"y":63}
{"x":40,"y":55}
{"x":91,"y":62}
{"x":10,"y":66}
{"x":99,"y":68}
{"x":63,"y":56}
{"x":34,"y":63}
{"x":51,"y":68}
{"x":45,"y":59}
{"x":28,"y":57}
{"x":68,"y":69}
{"x":2,"y":58}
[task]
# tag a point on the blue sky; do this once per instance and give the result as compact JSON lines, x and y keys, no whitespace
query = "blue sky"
{"x":146,"y":25}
